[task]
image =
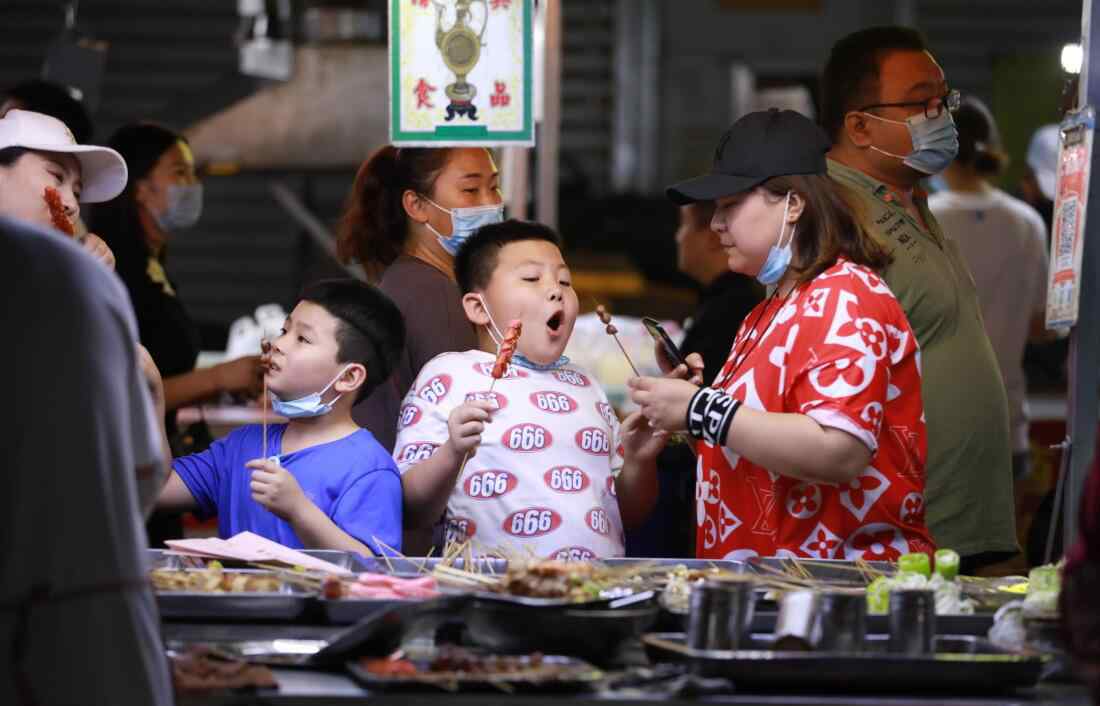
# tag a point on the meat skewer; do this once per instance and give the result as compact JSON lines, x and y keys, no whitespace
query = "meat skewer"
{"x":505,"y":351}
{"x":614,"y":333}
{"x":605,"y":317}
{"x":57,"y":212}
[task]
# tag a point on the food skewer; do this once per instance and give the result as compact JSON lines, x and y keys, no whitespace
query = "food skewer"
{"x":57,"y":212}
{"x":505,"y":351}
{"x":601,"y":311}
{"x":605,"y":317}
{"x":265,"y":347}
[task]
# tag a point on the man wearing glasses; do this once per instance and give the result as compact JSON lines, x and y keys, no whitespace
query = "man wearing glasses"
{"x":887,"y":107}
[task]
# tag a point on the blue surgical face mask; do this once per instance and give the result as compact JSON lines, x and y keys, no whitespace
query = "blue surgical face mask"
{"x":184,"y":207}
{"x":779,"y":256}
{"x":517,"y":357}
{"x":308,"y":406}
{"x":464,"y":222}
{"x":935,"y":141}
{"x":936,"y":184}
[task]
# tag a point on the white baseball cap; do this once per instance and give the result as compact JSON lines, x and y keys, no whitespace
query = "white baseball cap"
{"x":1042,"y":157}
{"x":103,"y":171}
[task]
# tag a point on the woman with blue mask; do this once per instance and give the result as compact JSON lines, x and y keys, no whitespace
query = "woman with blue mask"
{"x":799,"y":454}
{"x":407,"y":214}
{"x":162,"y":199}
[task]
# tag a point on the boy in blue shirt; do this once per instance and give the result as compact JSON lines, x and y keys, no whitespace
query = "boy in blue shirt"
{"x":327,"y":483}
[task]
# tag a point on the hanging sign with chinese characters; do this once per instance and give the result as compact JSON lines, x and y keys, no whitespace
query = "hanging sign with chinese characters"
{"x":461,"y":72}
{"x":1070,"y":201}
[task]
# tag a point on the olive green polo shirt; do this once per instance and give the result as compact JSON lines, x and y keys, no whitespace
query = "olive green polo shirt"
{"x":968,"y":492}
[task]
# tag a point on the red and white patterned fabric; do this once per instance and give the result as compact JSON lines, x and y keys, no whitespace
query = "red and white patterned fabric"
{"x":840,"y":350}
{"x":543,"y":477}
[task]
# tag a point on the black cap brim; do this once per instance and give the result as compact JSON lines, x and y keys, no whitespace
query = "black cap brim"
{"x":710,"y":187}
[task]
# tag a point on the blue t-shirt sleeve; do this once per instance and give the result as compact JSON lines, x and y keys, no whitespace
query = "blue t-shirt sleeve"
{"x":369,"y":509}
{"x":204,"y":473}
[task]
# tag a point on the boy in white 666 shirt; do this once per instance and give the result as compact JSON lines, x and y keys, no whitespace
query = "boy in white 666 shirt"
{"x":550,"y":469}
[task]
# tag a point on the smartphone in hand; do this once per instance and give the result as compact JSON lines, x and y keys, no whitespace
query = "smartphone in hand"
{"x":661,"y":336}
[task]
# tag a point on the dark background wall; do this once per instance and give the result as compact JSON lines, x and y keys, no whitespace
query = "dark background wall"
{"x":166,"y":56}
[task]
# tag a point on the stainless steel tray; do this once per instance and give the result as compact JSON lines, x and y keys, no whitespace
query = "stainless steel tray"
{"x":417,"y":566}
{"x":961,"y":663}
{"x":737,"y":567}
{"x":556,"y":673}
{"x":161,"y":559}
{"x":289,"y":603}
{"x":832,"y":570}
{"x":346,"y":611}
{"x":976,"y":625}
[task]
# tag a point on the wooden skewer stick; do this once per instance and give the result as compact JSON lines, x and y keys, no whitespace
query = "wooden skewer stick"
{"x":265,"y":346}
{"x":601,"y":312}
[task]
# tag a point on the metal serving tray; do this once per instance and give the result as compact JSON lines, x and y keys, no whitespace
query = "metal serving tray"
{"x":161,"y":559}
{"x":555,"y":673}
{"x":961,"y":663}
{"x":347,"y":611}
{"x":976,"y":625}
{"x":418,"y":566}
{"x":737,"y":567}
{"x":832,"y":570}
{"x":289,"y":603}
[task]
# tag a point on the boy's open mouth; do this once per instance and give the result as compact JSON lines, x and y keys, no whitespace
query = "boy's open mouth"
{"x":554,"y":322}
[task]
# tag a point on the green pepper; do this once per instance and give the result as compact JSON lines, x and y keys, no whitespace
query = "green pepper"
{"x":947,"y":563}
{"x":917,"y":562}
{"x":878,"y":596}
{"x":1043,"y":578}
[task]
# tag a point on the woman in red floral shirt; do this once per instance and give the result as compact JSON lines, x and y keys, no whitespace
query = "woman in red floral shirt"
{"x":812,"y":437}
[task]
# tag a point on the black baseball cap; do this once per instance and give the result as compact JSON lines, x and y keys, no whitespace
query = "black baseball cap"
{"x":759,"y":146}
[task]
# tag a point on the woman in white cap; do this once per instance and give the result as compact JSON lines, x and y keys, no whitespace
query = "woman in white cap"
{"x":812,"y":436}
{"x":38,"y":153}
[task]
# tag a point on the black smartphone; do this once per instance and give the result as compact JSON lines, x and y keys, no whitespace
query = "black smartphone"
{"x":661,"y":336}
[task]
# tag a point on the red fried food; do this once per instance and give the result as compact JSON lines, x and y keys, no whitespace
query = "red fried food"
{"x":332,"y":588}
{"x":57,"y":211}
{"x":507,"y":349}
{"x":388,"y":667}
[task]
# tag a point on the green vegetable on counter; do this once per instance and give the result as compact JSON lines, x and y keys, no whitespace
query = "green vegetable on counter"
{"x":947,"y":564}
{"x":917,"y":563}
{"x":878,"y":596}
{"x":1044,"y":578}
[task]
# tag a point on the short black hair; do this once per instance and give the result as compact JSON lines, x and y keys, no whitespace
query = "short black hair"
{"x":979,"y":140}
{"x":477,"y":258}
{"x":57,"y":101}
{"x":371,"y":329}
{"x":850,"y":79}
{"x":11,"y":155}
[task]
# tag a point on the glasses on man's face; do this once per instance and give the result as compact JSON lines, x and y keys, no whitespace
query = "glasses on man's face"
{"x":933,"y":107}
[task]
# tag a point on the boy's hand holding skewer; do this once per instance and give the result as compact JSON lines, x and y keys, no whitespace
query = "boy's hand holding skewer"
{"x":277,"y":489}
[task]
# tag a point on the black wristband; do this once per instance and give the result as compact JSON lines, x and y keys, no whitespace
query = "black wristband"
{"x":710,"y":414}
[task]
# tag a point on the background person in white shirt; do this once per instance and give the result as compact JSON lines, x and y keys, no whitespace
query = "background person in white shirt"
{"x":1004,"y":242}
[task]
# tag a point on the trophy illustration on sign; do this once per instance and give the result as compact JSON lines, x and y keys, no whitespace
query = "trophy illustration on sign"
{"x":460,"y":47}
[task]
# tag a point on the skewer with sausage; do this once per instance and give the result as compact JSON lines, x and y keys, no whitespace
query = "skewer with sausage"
{"x":507,"y":349}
